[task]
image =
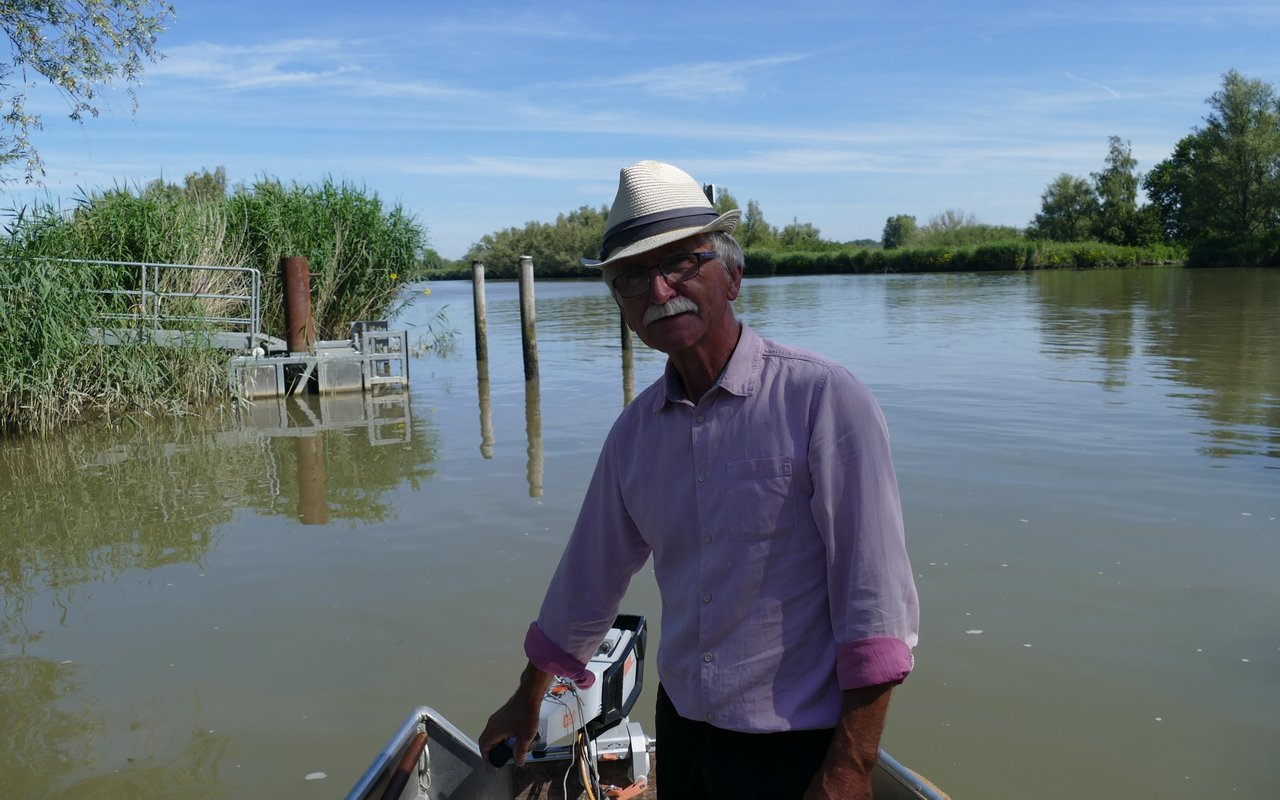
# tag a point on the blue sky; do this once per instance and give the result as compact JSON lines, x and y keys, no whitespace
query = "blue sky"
{"x":478,"y":116}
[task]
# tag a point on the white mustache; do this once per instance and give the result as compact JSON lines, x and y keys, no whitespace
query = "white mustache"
{"x":676,"y":305}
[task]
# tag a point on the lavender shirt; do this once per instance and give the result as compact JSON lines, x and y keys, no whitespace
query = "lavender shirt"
{"x":771,"y":510}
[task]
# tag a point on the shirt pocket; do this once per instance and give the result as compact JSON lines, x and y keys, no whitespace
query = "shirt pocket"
{"x":760,"y":502}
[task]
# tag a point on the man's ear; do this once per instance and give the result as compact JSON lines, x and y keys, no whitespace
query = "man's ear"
{"x":735,"y":283}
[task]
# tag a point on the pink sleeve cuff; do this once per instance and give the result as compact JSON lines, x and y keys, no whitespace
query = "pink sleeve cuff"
{"x":871,"y":662}
{"x":547,"y":656}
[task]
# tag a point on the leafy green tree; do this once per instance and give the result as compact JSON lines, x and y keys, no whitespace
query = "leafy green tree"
{"x":754,"y":231}
{"x":1068,"y":210}
{"x":1167,"y":185}
{"x":953,"y":228}
{"x":431,"y":261}
{"x":556,"y":248}
{"x":725,"y":202}
{"x":80,"y":47}
{"x":1118,"y":219}
{"x":1240,"y":179}
{"x":898,"y":231}
{"x":945,"y":228}
{"x":206,"y":185}
{"x":200,"y":186}
{"x":1223,"y":180}
{"x":802,"y":236}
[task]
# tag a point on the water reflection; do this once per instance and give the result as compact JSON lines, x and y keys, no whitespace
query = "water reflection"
{"x":1095,"y":318}
{"x":1213,"y":334}
{"x":45,"y":737}
{"x":571,"y":316}
{"x":313,"y":506}
{"x":41,"y":739}
{"x":97,"y":500}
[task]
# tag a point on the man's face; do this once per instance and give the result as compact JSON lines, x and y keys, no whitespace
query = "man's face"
{"x":712,"y":291}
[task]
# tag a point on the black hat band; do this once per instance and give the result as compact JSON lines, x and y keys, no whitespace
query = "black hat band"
{"x":642,"y":227}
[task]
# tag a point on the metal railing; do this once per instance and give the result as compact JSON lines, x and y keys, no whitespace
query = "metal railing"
{"x":218,"y":292}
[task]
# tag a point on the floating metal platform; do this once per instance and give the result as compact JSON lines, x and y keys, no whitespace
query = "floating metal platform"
{"x":373,"y":359}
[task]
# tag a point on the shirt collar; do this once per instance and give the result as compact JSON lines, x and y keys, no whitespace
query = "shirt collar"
{"x":740,"y":376}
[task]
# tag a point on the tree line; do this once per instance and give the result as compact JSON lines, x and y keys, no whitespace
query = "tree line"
{"x":1214,"y":201}
{"x":1218,"y":194}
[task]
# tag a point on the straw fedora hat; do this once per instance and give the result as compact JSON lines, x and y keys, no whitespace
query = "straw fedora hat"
{"x":657,"y":204}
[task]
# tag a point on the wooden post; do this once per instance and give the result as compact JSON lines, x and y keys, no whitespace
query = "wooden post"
{"x":626,"y":332}
{"x":528,"y":329}
{"x":482,"y":325}
{"x":300,"y":329}
{"x":486,"y":408}
{"x":628,"y":377}
{"x":533,"y":427}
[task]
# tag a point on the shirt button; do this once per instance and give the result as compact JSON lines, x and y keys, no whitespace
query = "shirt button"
{"x":711,"y":716}
{"x":699,"y":418}
{"x":707,"y":657}
{"x":706,"y":597}
{"x":706,"y":539}
{"x":702,"y":477}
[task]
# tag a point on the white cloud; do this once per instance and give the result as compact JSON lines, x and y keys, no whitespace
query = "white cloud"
{"x":697,"y":80}
{"x":1106,"y":89}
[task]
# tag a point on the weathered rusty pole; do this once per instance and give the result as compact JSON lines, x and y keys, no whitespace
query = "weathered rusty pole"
{"x":528,"y":331}
{"x":300,"y":329}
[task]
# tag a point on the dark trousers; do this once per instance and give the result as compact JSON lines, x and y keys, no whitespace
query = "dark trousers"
{"x":698,"y":761}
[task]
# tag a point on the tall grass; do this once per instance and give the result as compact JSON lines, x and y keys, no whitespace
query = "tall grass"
{"x":49,"y":372}
{"x":357,"y":249}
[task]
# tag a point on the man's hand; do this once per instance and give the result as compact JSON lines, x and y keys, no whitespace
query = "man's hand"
{"x":519,"y":716}
{"x":846,"y":773}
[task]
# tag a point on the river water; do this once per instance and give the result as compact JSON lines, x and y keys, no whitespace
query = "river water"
{"x":249,"y":602}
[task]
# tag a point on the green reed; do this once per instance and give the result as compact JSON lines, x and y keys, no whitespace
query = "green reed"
{"x":51,"y":370}
{"x":51,"y":374}
{"x":358,"y":249}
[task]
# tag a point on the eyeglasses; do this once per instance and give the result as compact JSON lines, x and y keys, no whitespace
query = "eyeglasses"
{"x":675,"y":268}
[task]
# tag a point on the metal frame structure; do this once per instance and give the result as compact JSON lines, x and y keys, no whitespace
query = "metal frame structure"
{"x":146,"y":304}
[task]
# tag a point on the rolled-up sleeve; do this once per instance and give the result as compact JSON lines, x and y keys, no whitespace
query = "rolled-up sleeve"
{"x":874,"y":608}
{"x":604,"y":551}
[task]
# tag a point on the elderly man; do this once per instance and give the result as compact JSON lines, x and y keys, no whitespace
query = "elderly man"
{"x":759,"y":478}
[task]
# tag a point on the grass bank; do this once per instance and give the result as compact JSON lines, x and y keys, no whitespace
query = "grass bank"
{"x":1010,"y":255}
{"x":1017,"y":254}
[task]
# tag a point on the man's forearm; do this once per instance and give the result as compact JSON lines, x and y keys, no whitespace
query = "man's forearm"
{"x":519,"y":716}
{"x":534,"y":683}
{"x":846,"y":773}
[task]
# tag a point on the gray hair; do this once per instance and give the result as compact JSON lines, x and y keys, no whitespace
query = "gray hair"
{"x":728,"y":251}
